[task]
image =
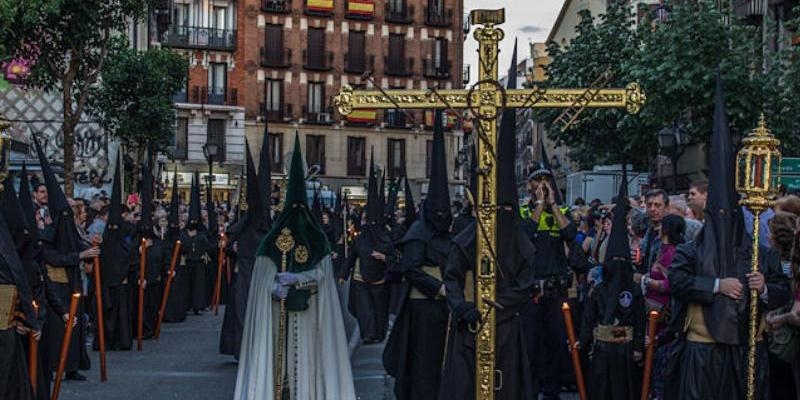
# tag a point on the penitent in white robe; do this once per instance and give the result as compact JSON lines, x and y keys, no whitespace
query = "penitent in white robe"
{"x":317,"y":357}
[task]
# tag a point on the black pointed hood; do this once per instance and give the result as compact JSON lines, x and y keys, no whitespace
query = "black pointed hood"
{"x":115,"y":208}
{"x":410,"y":210}
{"x":114,"y":246}
{"x":146,"y":196}
{"x":374,"y":207}
{"x":26,"y":200}
{"x":12,"y":272}
{"x":436,"y":208}
{"x":265,"y":176}
{"x":391,"y":201}
{"x":12,"y":211}
{"x":175,"y":204}
{"x":617,"y":267}
{"x":195,"y":219}
{"x":64,"y":234}
{"x":255,"y":206}
{"x":21,"y":228}
{"x":723,"y":228}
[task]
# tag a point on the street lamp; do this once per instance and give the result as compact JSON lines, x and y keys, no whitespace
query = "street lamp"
{"x":669,"y":138}
{"x":210,"y":152}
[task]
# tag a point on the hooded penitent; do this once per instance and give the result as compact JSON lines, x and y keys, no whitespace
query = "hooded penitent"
{"x":410,"y":207}
{"x":195,"y":219}
{"x":436,"y":208}
{"x":114,"y":246}
{"x":16,"y":268}
{"x":174,"y":208}
{"x":724,"y":227}
{"x":297,"y":218}
{"x":25,"y":199}
{"x":617,"y":268}
{"x":64,"y":234}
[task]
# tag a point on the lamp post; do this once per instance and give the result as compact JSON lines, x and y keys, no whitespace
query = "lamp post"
{"x":210,"y":152}
{"x":669,"y":138}
{"x":757,"y":177}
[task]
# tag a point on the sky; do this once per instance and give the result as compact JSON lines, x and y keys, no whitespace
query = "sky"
{"x":527,"y":20}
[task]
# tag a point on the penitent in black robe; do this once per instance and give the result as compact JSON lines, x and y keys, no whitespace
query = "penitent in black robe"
{"x":14,"y":381}
{"x":513,"y":288}
{"x":718,"y":370}
{"x":612,"y":371}
{"x":414,"y":351}
{"x":195,"y":248}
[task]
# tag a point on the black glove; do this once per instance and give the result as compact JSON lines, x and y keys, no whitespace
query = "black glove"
{"x":468,"y":313}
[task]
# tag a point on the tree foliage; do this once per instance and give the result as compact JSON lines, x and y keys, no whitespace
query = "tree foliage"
{"x":69,"y":42}
{"x":675,"y":61}
{"x":134,"y":99}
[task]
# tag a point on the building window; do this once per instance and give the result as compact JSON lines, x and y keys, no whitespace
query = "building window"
{"x":219,"y":18}
{"x":315,"y":152}
{"x":276,"y":148}
{"x":216,"y":134}
{"x":180,"y":14}
{"x":397,"y":48}
{"x":273,"y":95}
{"x":315,"y":56}
{"x":356,"y":156}
{"x":217,"y":83}
{"x":396,"y":157}
{"x":356,"y":60}
{"x":316,"y":96}
{"x":181,"y":151}
{"x":440,"y":53}
{"x":274,"y":54}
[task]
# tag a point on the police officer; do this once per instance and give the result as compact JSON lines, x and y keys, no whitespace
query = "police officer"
{"x":549,"y":230}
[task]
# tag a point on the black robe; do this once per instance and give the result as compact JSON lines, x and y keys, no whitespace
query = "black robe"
{"x":612,"y":371}
{"x":195,"y":249}
{"x":415,"y":349}
{"x":14,"y":381}
{"x":369,"y":292}
{"x":717,"y":370}
{"x":179,"y":299}
{"x":78,"y":358}
{"x":512,"y":292}
{"x":158,"y":255}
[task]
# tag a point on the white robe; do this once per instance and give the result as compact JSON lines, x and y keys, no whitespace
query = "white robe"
{"x":317,"y":357}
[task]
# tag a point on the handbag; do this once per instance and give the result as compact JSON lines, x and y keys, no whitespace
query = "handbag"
{"x":784,"y":342}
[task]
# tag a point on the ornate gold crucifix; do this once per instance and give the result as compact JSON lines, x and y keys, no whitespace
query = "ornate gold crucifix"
{"x":485,"y":98}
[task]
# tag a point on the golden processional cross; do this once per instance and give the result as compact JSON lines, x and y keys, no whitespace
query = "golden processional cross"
{"x":485,"y":98}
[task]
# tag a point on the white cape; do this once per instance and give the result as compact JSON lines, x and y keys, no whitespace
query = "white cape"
{"x":318,"y":361}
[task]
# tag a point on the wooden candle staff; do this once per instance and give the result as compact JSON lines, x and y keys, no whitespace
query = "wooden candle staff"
{"x":142,"y":266}
{"x":62,"y":360}
{"x":176,"y":251}
{"x":220,"y":263}
{"x":33,"y":352}
{"x":648,"y":360}
{"x":576,"y":360}
{"x":101,"y":326}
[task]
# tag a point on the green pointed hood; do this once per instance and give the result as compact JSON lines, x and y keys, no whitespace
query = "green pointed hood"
{"x":298,"y":219}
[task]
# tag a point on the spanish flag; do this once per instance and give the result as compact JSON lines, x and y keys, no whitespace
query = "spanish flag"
{"x":320,"y":5}
{"x":362,"y":116}
{"x":361,"y":7}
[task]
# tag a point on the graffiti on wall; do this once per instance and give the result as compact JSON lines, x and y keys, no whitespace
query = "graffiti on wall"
{"x":91,"y":153}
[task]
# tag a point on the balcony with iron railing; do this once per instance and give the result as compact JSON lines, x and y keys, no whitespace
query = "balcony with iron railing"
{"x":317,"y":11}
{"x":322,"y":116}
{"x":399,"y":14}
{"x":398,"y":67}
{"x":276,"y":6}
{"x":436,"y":69}
{"x":190,"y":37}
{"x":283,"y":113}
{"x":276,"y":58}
{"x":214,"y":95}
{"x":358,"y":64}
{"x":438,"y":17}
{"x":318,"y":61}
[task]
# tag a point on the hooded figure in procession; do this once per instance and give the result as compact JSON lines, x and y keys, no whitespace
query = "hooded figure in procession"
{"x":194,"y":246}
{"x":414,"y":351}
{"x":293,"y":269}
{"x":16,"y":302}
{"x":18,"y":213}
{"x":614,"y":317}
{"x":179,"y":299}
{"x":514,"y":280}
{"x":371,"y":255}
{"x":244,"y":237}
{"x":62,"y":253}
{"x":710,"y":280}
{"x":117,"y":269}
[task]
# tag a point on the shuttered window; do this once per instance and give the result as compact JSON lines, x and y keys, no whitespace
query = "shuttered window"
{"x":273,"y":95}
{"x":396,"y":157}
{"x":355,"y":50}
{"x":397,"y":49}
{"x":316,"y":47}
{"x":356,"y":156}
{"x":216,"y":134}
{"x":315,"y":152}
{"x":276,"y":150}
